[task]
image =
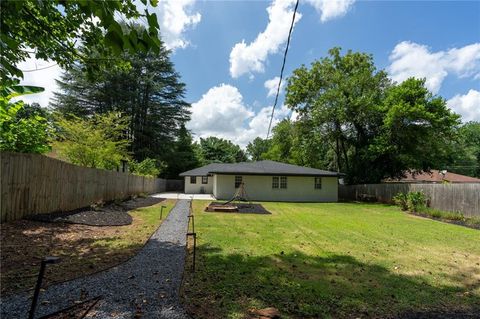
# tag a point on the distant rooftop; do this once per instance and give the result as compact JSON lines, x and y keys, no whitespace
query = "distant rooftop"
{"x":258,"y":168}
{"x":434,"y":176}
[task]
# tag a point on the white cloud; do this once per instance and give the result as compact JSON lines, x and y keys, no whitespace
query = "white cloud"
{"x":221,"y":112}
{"x":248,"y":58}
{"x":409,"y":59}
{"x":330,"y":9}
{"x":272,"y":85}
{"x":467,"y":105}
{"x":44,"y":77}
{"x":175,"y":17}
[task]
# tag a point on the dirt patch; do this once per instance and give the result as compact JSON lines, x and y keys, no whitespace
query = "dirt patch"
{"x":113,"y":214}
{"x":83,"y":249}
{"x":242,"y":208}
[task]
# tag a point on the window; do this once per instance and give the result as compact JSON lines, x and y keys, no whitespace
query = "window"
{"x":238,"y":181}
{"x":283,"y":182}
{"x":318,"y":183}
{"x":193,"y":179}
{"x":275,"y":182}
{"x":204,"y":179}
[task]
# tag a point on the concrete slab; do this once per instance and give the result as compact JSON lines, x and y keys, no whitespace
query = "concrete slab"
{"x":171,"y":195}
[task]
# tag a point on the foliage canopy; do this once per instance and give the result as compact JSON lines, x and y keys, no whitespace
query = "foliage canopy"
{"x":51,"y":29}
{"x":96,"y":142}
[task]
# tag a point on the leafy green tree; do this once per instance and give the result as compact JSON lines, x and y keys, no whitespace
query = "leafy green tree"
{"x":184,"y":155}
{"x":148,"y":167}
{"x":281,"y":142}
{"x":466,"y":156}
{"x":219,"y":150}
{"x":24,"y":132}
{"x":416,"y":131}
{"x":257,"y":147}
{"x":297,"y":143}
{"x":359,"y":123}
{"x":50,"y":29}
{"x":340,"y":96}
{"x":98,"y":141}
{"x":145,"y":88}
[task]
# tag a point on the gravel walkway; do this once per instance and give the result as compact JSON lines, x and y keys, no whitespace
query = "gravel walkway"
{"x":146,"y":286}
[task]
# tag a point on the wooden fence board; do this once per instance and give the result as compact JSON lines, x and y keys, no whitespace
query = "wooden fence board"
{"x":452,"y":197}
{"x":33,"y":184}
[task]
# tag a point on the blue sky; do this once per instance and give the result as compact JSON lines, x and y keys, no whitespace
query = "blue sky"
{"x":225,"y":78}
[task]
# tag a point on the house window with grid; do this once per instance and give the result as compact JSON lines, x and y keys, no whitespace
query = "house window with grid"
{"x":275,"y":182}
{"x":204,"y":179}
{"x":193,"y":179}
{"x":238,"y":181}
{"x":318,"y":183}
{"x":283,"y":182}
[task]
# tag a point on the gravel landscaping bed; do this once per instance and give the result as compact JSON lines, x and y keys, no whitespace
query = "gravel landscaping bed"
{"x":114,"y":214}
{"x":146,"y":286}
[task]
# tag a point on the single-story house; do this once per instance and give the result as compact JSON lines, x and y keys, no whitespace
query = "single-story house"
{"x":264,"y":181}
{"x":434,"y":177}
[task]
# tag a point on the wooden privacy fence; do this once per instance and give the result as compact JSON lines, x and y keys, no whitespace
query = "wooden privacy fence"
{"x":463,"y":198}
{"x":35,"y":184}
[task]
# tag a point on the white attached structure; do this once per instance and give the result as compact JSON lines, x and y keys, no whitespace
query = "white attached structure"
{"x":264,"y":181}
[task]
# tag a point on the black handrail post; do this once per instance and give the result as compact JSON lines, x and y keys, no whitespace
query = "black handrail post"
{"x":193,"y":222}
{"x":194,"y":250}
{"x":194,"y":235}
{"x":161,"y":211}
{"x":43,"y":265}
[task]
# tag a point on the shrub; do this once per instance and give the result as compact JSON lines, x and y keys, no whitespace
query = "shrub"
{"x":473,"y":221}
{"x":436,"y":213}
{"x":416,"y":201}
{"x":401,"y":200}
{"x":148,"y":167}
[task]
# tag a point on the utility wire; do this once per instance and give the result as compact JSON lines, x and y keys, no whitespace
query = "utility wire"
{"x":283,"y":67}
{"x":42,"y":68}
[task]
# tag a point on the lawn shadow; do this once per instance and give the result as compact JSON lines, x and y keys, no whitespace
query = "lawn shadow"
{"x":332,"y":286}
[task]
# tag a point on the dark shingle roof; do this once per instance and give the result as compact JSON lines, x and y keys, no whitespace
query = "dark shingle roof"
{"x":258,"y":168}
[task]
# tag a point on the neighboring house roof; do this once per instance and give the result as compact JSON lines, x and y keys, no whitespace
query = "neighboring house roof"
{"x":434,"y":176}
{"x":258,"y":168}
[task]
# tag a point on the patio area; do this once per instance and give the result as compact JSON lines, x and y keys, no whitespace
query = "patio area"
{"x":176,"y":195}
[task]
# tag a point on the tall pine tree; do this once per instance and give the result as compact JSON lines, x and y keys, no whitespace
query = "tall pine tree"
{"x":145,"y":87}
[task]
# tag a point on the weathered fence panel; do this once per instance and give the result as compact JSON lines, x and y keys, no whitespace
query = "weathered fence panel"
{"x":33,"y":184}
{"x":463,"y":197}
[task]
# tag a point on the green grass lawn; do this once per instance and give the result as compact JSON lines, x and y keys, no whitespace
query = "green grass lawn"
{"x":332,"y":260}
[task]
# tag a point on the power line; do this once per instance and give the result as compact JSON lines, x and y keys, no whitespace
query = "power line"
{"x":283,"y":67}
{"x":39,"y":69}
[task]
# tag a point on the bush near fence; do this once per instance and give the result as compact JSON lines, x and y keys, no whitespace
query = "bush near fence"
{"x":454,"y":197}
{"x":35,"y":184}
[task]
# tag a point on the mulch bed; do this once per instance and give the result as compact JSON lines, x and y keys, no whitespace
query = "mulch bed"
{"x":113,"y":214}
{"x":455,"y":222}
{"x":243,"y":208}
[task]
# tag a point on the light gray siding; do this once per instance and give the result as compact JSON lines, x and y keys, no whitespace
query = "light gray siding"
{"x":299,"y":188}
{"x":198,"y":187}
